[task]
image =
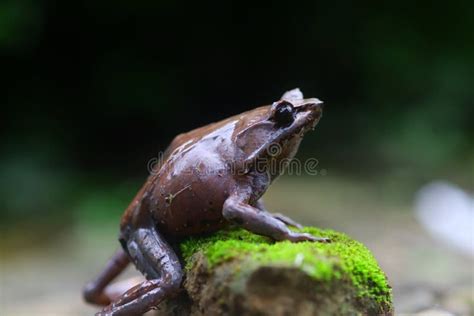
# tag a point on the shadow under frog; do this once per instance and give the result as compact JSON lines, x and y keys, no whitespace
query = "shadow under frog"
{"x":210,"y":177}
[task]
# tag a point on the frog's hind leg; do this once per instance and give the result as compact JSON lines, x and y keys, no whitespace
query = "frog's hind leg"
{"x":158,"y":262}
{"x":94,"y":292}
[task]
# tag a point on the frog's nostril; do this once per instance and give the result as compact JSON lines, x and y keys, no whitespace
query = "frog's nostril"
{"x":311,"y":104}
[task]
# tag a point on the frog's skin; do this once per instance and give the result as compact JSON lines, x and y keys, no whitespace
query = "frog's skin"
{"x":210,"y":177}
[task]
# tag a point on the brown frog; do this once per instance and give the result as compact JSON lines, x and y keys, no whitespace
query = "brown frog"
{"x":210,"y":177}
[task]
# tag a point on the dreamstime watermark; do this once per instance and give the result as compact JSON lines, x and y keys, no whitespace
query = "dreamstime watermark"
{"x":270,"y":161}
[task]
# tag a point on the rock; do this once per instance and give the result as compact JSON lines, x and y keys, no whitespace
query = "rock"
{"x":234,"y":272}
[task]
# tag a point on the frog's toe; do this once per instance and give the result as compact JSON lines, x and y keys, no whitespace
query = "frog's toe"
{"x":297,"y":237}
{"x":322,"y":239}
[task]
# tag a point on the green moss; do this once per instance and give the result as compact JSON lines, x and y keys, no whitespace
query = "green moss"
{"x":342,"y":258}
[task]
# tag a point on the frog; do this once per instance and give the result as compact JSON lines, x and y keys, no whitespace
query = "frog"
{"x":209,"y":178}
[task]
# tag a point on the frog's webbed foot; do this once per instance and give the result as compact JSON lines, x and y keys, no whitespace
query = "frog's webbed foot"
{"x":237,"y":209}
{"x":156,"y":259}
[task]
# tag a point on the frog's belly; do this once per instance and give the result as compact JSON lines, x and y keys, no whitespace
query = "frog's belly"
{"x":191,"y":191}
{"x":190,"y":219}
{"x":195,"y":209}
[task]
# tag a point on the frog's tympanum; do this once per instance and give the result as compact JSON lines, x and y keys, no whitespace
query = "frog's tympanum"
{"x":209,"y":178}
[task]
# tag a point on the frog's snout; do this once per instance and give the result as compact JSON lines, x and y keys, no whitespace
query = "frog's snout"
{"x":310,"y":112}
{"x":314,"y":107}
{"x":318,"y":103}
{"x":312,"y":104}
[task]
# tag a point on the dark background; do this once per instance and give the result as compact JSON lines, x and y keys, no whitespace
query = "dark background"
{"x":96,"y":88}
{"x":92,"y":90}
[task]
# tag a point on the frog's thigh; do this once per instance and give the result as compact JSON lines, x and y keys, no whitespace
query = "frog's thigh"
{"x":155,"y":258}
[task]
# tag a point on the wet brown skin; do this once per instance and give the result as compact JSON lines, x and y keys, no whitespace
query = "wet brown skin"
{"x":208,"y":178}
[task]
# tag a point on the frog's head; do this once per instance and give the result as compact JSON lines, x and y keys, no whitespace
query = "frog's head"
{"x":273,"y":133}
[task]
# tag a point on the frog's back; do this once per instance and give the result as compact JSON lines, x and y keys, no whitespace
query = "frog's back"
{"x":198,"y":133}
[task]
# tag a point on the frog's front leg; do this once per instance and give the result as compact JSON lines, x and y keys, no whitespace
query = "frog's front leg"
{"x":238,"y":210}
{"x":158,"y":262}
{"x":283,"y":218}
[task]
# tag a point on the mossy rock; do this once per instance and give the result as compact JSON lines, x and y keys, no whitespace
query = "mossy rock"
{"x":235,"y":272}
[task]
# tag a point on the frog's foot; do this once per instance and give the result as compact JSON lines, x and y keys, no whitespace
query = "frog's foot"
{"x":296,"y":237}
{"x":288,"y":221}
{"x":155,"y":258}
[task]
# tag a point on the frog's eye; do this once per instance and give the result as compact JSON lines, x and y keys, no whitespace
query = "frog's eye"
{"x":283,"y":114}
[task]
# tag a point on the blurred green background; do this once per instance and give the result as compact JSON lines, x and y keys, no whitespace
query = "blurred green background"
{"x":93,"y":90}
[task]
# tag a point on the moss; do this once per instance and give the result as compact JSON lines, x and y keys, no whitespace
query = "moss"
{"x":342,"y":258}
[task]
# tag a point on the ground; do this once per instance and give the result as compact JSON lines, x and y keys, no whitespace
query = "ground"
{"x":45,"y":271}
